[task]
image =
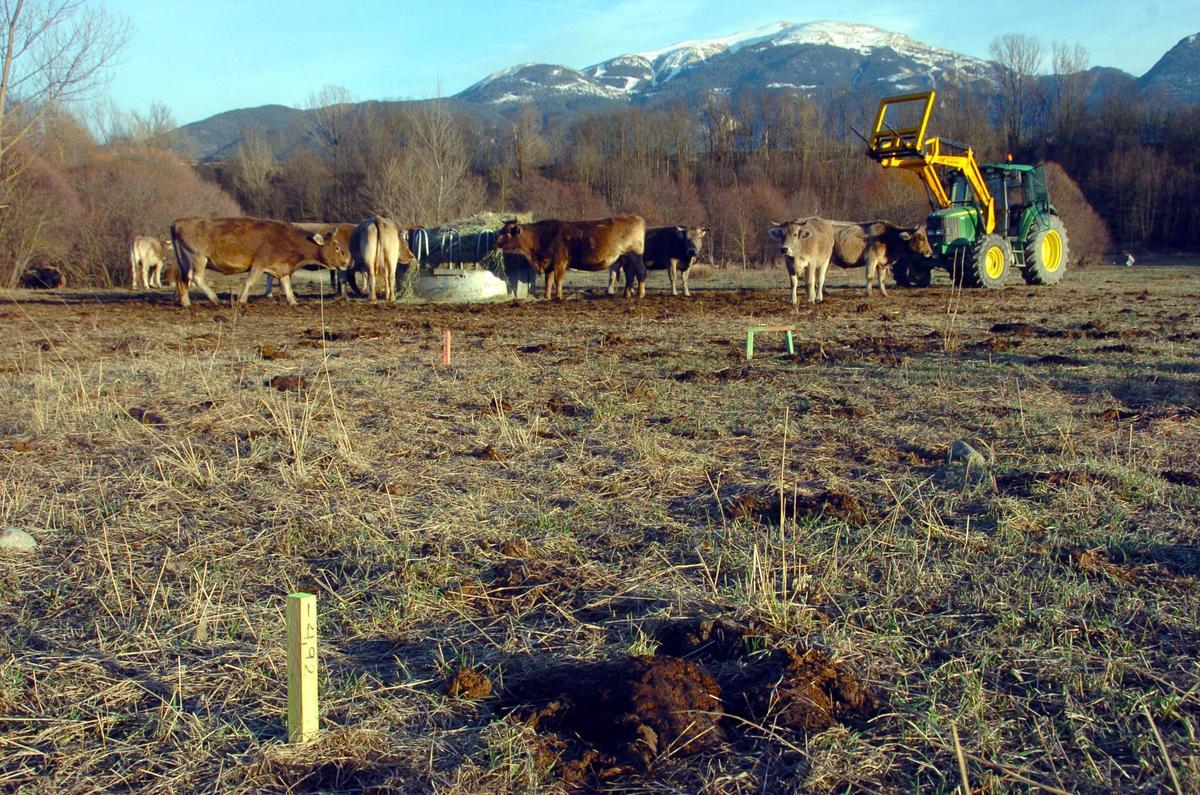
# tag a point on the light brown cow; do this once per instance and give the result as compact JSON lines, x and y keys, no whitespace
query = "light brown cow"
{"x":552,"y":246}
{"x":813,"y":243}
{"x":377,"y":247}
{"x":147,"y":254}
{"x":337,"y":276}
{"x":249,"y":245}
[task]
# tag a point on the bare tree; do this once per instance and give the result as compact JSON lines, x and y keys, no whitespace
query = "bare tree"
{"x":430,"y":179}
{"x":1019,"y":57}
{"x":52,"y":52}
{"x":252,"y":169}
{"x":529,"y":148}
{"x":1071,"y":84}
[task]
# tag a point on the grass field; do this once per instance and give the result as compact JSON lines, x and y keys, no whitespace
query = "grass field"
{"x":500,"y":548}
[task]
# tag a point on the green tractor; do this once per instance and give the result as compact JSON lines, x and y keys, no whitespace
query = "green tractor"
{"x":986,"y":219}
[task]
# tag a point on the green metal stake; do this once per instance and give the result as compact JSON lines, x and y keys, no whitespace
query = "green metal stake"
{"x":791,"y":344}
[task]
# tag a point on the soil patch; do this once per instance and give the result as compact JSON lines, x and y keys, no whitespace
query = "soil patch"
{"x":469,"y":684}
{"x":288,"y":383}
{"x":271,"y":353}
{"x":1057,"y":358}
{"x":599,"y":721}
{"x":1097,"y":561}
{"x":766,"y":506}
{"x":146,"y":417}
{"x":1016,"y":329}
{"x":1181,"y":478}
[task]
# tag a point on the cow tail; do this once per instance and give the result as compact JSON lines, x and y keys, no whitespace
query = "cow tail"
{"x":185,"y":270}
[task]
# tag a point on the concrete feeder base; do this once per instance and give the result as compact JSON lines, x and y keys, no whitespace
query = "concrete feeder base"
{"x":466,"y":285}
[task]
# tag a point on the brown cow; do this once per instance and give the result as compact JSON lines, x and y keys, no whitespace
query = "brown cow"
{"x":669,"y":248}
{"x":553,"y":246}
{"x":147,"y":254}
{"x":254,"y":245}
{"x":377,"y":246}
{"x":337,"y":276}
{"x":813,"y":243}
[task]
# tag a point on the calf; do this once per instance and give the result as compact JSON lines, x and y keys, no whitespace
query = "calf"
{"x":249,"y":245}
{"x":670,"y":248}
{"x":147,"y":254}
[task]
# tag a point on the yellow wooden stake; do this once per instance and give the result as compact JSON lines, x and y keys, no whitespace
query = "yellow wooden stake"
{"x":302,"y":667}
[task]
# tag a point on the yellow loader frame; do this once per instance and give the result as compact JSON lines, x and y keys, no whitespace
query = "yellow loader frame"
{"x":909,"y":149}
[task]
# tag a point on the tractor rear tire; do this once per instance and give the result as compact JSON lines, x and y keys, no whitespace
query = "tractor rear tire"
{"x":912,"y":272}
{"x":1046,"y":253}
{"x":985,"y":264}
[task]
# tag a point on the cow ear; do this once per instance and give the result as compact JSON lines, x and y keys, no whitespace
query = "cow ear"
{"x":906,"y":235}
{"x":705,"y":230}
{"x":776,"y":232}
{"x":318,"y":238}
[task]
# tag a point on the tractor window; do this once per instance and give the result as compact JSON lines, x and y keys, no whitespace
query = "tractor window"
{"x":961,"y":192}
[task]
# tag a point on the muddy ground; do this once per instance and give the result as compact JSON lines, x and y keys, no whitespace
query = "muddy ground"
{"x":603,"y":551}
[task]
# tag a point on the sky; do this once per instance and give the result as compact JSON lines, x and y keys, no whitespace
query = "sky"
{"x":203,"y":57}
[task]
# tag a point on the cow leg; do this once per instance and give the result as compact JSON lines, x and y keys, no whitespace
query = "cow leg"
{"x":673,"y":274}
{"x":157,"y":274}
{"x":612,"y":278}
{"x":822,"y":269}
{"x":883,"y":273}
{"x":286,"y":281}
{"x":198,"y":280}
{"x":146,"y":274}
{"x":794,"y":278}
{"x":251,"y":278}
{"x":686,"y":292}
{"x":810,"y":272}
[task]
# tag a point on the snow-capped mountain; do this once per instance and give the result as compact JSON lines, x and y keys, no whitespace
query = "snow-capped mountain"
{"x":806,"y":57}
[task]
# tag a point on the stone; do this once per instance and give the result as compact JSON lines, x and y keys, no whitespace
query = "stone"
{"x":17,"y":540}
{"x":961,"y":451}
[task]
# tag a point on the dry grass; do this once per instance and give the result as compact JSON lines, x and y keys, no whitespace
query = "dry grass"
{"x":1035,"y":625}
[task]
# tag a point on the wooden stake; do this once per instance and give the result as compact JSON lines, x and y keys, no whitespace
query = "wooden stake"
{"x":302,"y":667}
{"x":446,"y":346}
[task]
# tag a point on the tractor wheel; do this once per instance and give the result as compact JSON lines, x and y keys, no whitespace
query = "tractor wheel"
{"x":986,"y":264}
{"x":1046,"y":253}
{"x":912,"y":272}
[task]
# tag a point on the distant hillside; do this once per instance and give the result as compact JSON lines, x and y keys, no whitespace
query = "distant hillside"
{"x":814,"y":59}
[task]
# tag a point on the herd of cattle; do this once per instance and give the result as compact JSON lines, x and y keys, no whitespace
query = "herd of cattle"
{"x":377,"y":246}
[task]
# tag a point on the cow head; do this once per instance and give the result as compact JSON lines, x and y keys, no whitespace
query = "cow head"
{"x":917,"y":240}
{"x":789,"y":235}
{"x":508,"y":237}
{"x":334,"y":254}
{"x":692,"y":237}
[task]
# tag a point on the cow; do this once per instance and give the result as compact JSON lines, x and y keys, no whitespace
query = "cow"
{"x":146,"y":254}
{"x":552,"y":246}
{"x":249,"y":245}
{"x":377,"y":246}
{"x":670,"y":248}
{"x":337,"y":277}
{"x":813,"y":243}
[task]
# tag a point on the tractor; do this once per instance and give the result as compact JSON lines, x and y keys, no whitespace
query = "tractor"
{"x":984,"y":219}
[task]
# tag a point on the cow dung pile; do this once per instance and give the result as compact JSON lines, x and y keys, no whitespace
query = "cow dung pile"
{"x":710,"y":685}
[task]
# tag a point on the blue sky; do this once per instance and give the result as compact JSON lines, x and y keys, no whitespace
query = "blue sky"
{"x":202,"y":57}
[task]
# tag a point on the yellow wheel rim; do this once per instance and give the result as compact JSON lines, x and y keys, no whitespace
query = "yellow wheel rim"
{"x":993,"y":262}
{"x":1052,"y":250}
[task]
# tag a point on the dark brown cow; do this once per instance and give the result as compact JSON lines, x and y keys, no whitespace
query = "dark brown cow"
{"x":553,"y":246}
{"x":249,"y":245}
{"x":813,"y":243}
{"x":669,"y":248}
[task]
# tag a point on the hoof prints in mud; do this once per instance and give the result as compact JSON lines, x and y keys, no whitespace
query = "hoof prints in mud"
{"x":595,"y":722}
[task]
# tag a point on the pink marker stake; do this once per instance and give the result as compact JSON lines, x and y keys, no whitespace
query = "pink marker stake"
{"x":446,"y":346}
